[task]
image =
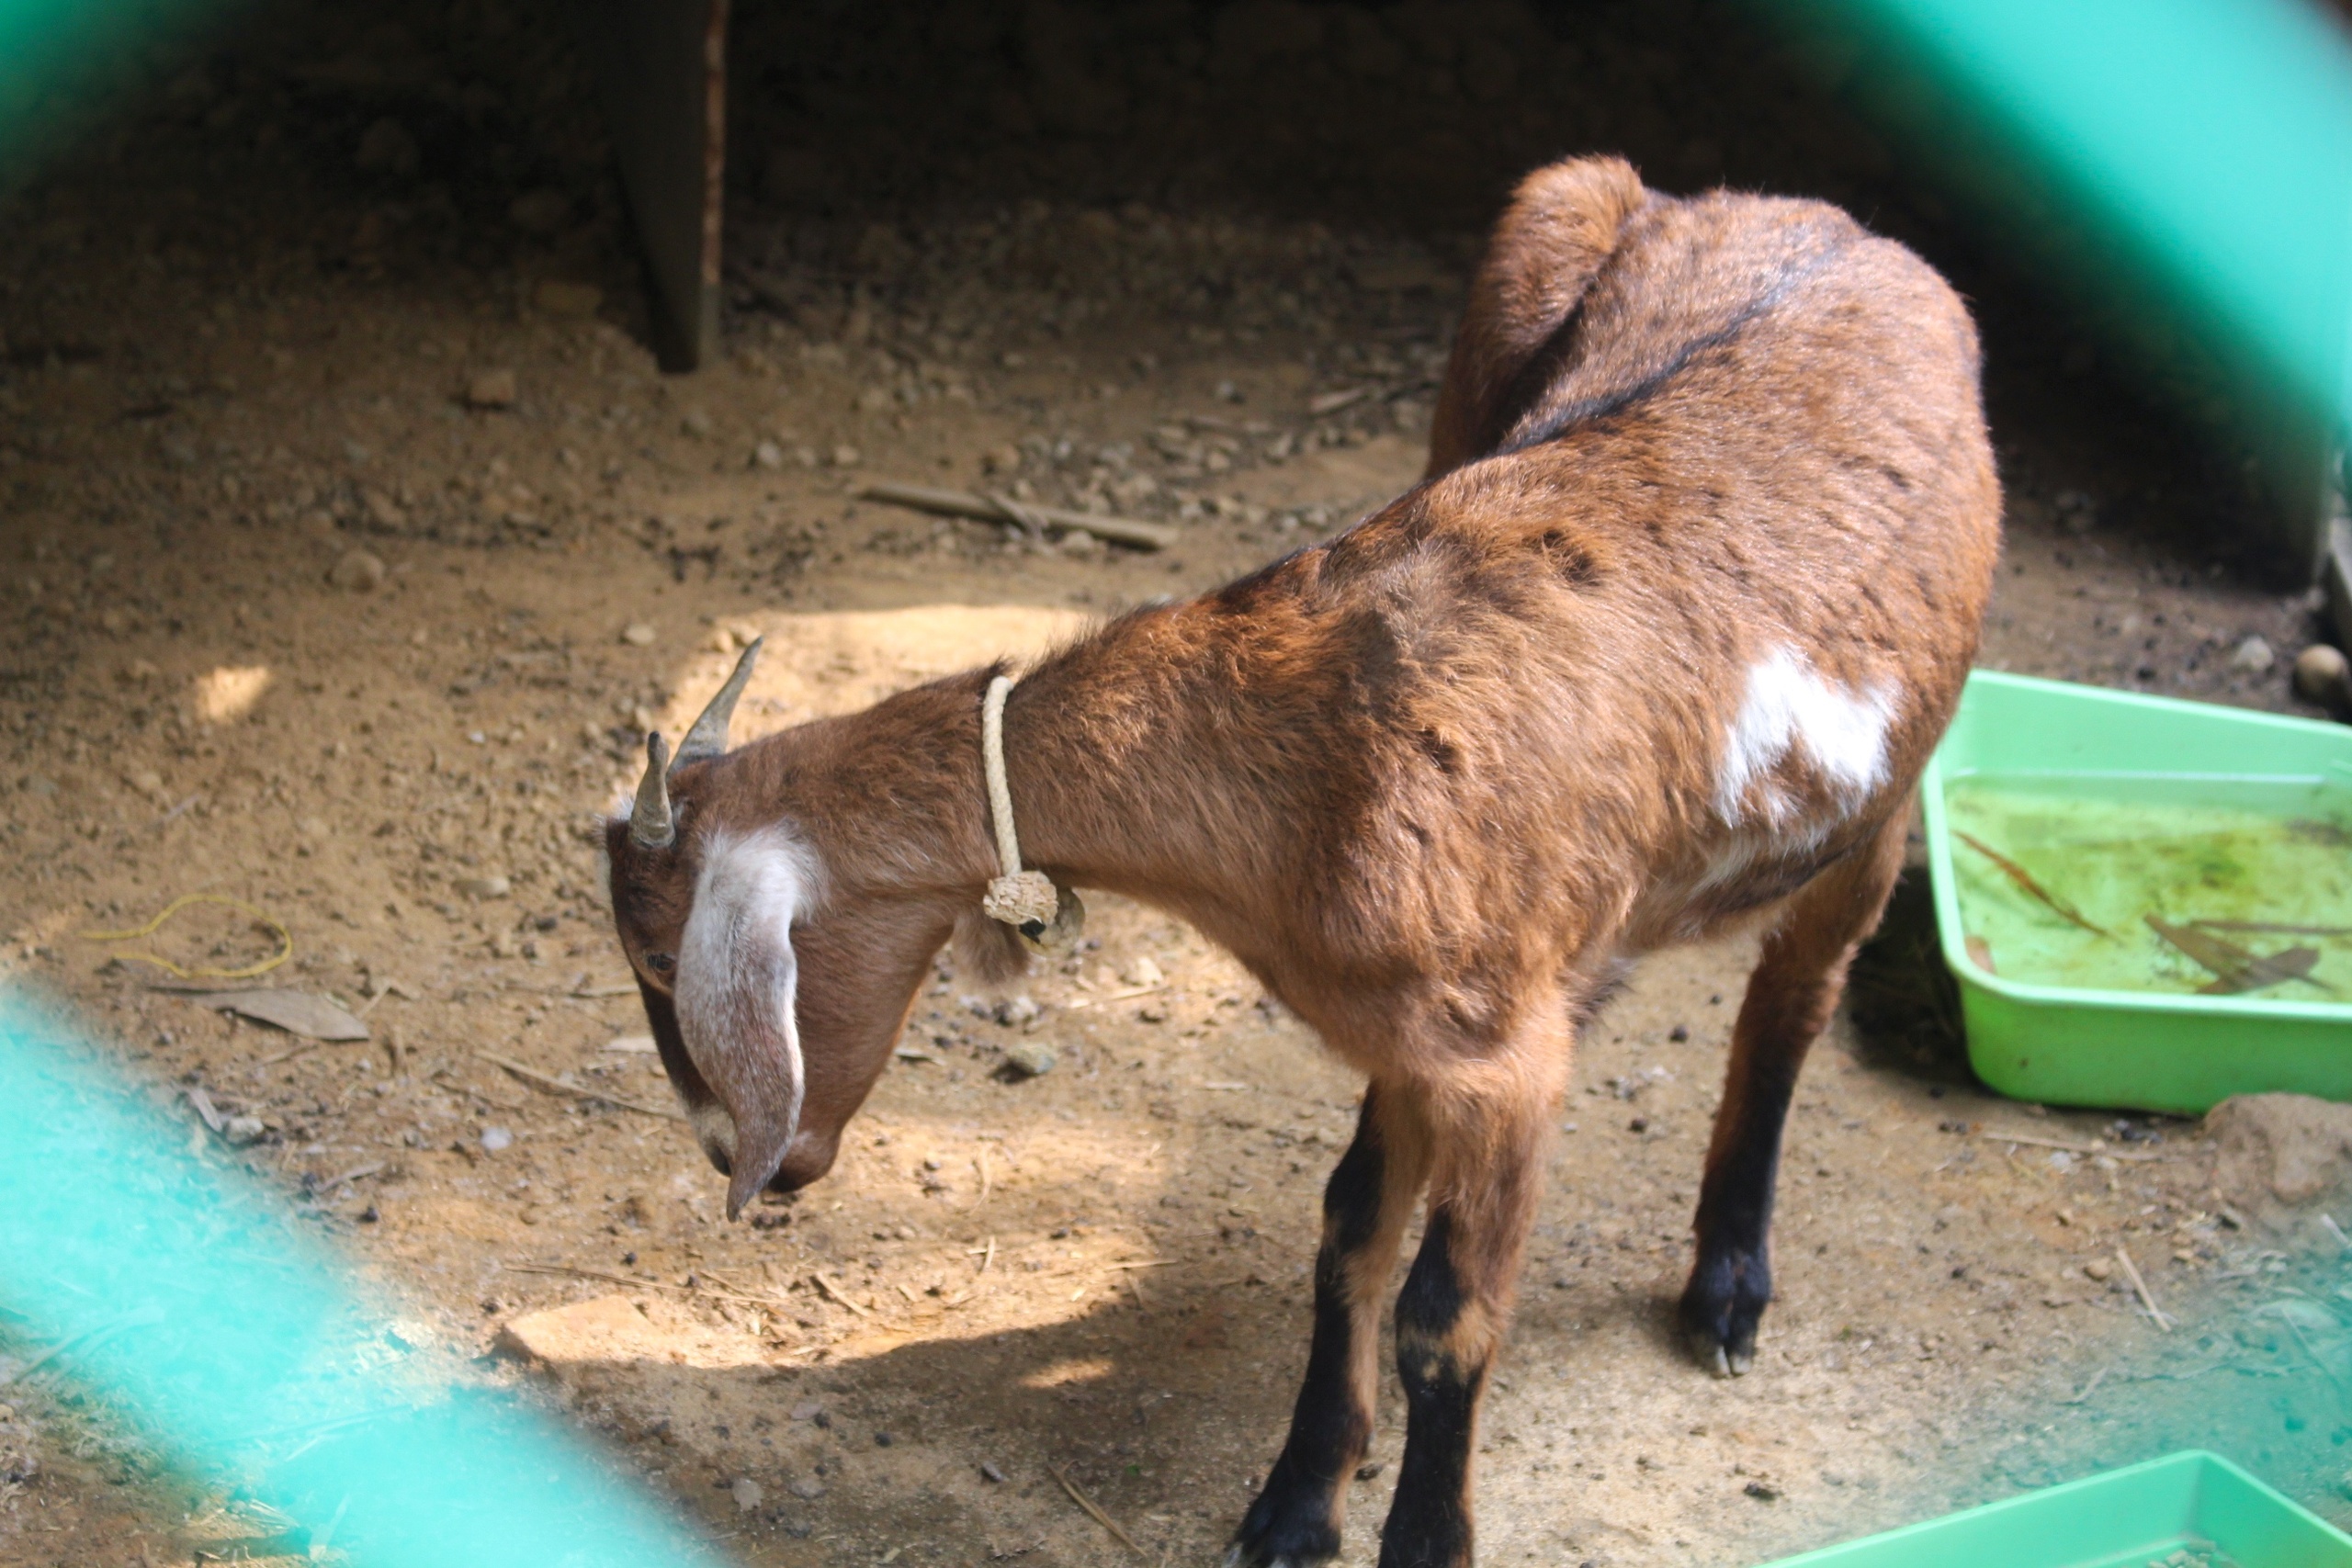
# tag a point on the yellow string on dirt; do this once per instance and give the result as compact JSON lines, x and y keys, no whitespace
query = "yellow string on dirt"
{"x":284,"y":938}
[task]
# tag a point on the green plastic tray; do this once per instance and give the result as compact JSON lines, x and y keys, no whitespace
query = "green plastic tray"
{"x":2125,"y":1518}
{"x":2153,"y":1051}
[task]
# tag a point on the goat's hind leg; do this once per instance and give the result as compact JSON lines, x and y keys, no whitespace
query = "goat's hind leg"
{"x":1296,"y":1520}
{"x":1789,"y":1002}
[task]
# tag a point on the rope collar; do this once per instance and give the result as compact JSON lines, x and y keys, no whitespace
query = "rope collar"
{"x":1025,"y":900}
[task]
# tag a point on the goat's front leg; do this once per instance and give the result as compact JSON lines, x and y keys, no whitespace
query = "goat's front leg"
{"x":1296,"y":1520}
{"x":1789,"y":998}
{"x":1451,"y":1314}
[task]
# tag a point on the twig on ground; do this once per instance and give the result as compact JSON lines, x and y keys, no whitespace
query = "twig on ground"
{"x":987,"y":1178}
{"x":1129,"y":995}
{"x":137,"y":1318}
{"x":2089,"y":1388}
{"x":841,"y":1295}
{"x":997,"y":509}
{"x":1095,"y":1513}
{"x":537,"y":1079}
{"x":353,"y":1174}
{"x":448,"y":1080}
{"x":168,"y":817}
{"x":2064,"y":1147}
{"x":635,"y":1282}
{"x":2131,"y":1273}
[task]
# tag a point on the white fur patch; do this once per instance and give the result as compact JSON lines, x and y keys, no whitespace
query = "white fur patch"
{"x":1789,"y":708}
{"x":737,"y":971}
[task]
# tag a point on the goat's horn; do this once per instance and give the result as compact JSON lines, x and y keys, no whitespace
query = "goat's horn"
{"x":707,"y":739}
{"x":650,"y":826}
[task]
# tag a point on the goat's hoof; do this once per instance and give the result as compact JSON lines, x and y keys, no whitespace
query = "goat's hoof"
{"x":1719,"y":1314}
{"x":1285,"y":1529}
{"x":1240,"y":1556}
{"x":1723,"y":1360}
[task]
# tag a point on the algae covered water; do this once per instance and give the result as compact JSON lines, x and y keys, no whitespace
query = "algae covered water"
{"x":2168,"y":883}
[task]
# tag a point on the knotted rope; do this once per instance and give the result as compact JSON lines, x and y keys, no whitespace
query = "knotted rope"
{"x":1025,"y":900}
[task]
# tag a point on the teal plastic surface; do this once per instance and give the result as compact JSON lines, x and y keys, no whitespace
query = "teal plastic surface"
{"x":2125,"y":1518}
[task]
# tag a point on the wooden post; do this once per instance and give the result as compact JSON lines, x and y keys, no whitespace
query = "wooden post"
{"x":661,"y":66}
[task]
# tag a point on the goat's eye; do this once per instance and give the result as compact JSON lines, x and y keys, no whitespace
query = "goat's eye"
{"x":660,"y":963}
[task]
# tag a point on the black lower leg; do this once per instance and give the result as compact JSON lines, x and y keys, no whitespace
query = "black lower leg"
{"x":1731,"y":1279}
{"x":1443,"y":1349}
{"x":1295,"y":1519}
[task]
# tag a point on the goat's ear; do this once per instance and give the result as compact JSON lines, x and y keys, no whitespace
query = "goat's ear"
{"x":736,"y":978}
{"x":662,"y":1017}
{"x":988,"y":951}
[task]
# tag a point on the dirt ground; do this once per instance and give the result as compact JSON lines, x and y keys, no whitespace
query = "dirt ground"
{"x":352,"y":542}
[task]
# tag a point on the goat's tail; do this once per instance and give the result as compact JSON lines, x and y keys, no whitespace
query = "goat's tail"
{"x":1562,"y":224}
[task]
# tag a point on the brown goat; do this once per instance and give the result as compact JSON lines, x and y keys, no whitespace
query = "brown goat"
{"x":1660,"y":644}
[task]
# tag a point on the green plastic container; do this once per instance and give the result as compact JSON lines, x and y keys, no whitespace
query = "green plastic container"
{"x":2126,"y":1518}
{"x":2034,"y":1034}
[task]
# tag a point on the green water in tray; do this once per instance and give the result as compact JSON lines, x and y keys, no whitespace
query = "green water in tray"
{"x":2121,"y":847}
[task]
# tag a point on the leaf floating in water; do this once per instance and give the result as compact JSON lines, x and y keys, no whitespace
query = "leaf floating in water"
{"x":1980,"y":953}
{"x":2270,"y":927}
{"x":2235,"y":969}
{"x":2288,"y":963}
{"x":2024,"y":879}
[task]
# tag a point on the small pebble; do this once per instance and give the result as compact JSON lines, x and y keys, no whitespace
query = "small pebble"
{"x":496,"y":1138}
{"x":808,"y":1488}
{"x":767,"y":454}
{"x":492,"y":389}
{"x":2322,"y":675}
{"x":484,"y":886}
{"x":357,"y":571}
{"x":2253,"y":656}
{"x":242,"y":1130}
{"x":988,"y":1472}
{"x":637,"y":634}
{"x":746,"y":1492}
{"x":694,"y":422}
{"x":2098,"y":1268}
{"x":847,"y":456}
{"x":1029,"y":1059}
